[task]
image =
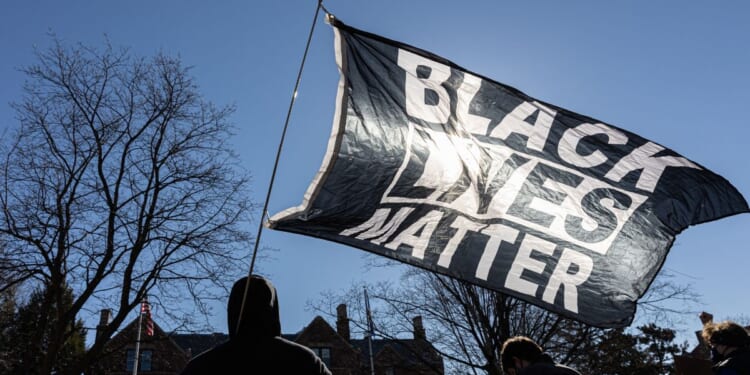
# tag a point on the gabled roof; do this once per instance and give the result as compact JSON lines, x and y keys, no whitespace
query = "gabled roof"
{"x":318,"y":324}
{"x":159,"y":334}
{"x":412,"y":352}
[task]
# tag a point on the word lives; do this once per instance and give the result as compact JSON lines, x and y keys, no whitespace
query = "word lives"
{"x":457,"y":167}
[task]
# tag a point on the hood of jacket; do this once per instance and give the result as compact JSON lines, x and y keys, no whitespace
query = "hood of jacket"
{"x":260,"y":315}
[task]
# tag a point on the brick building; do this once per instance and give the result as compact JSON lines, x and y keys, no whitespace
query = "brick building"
{"x":159,"y":353}
{"x":164,"y":353}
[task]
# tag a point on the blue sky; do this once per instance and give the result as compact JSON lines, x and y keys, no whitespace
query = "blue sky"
{"x":674,"y":72}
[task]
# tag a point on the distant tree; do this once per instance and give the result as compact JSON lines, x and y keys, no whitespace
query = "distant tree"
{"x":614,"y":352}
{"x":7,"y":310}
{"x":648,"y":351}
{"x":667,"y":301}
{"x":24,"y":336}
{"x":468,"y":324}
{"x":660,"y":348}
{"x":117,"y":182}
{"x":741,"y":319}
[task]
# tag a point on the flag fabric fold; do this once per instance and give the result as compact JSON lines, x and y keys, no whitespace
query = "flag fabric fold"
{"x":441,"y":168}
{"x":146,"y":316}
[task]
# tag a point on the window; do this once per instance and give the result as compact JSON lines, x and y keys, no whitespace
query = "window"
{"x":130,"y":359}
{"x":144,"y":360}
{"x":324,"y":354}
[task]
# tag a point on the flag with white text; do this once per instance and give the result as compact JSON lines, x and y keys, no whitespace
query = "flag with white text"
{"x":447,"y":170}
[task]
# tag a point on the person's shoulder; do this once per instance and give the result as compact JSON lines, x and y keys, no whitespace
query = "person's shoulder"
{"x":740,"y":358}
{"x":726,"y":371}
{"x":565,"y":370}
{"x":557,"y":368}
{"x":548,"y":368}
{"x":207,"y":361}
{"x":301,"y":358}
{"x":200,"y":363}
{"x":292,"y":346}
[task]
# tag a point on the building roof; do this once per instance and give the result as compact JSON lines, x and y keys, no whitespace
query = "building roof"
{"x":409,"y":350}
{"x":197,"y":343}
{"x":416,"y":352}
{"x":411,"y":353}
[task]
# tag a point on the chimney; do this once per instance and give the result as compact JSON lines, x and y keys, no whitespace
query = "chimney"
{"x":342,"y":322}
{"x":104,"y":318}
{"x":419,"y":333}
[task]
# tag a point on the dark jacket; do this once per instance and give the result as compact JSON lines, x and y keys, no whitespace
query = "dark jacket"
{"x":257,"y":347}
{"x":545,"y":366}
{"x":736,"y":363}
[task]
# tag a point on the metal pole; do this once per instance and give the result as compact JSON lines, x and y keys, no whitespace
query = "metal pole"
{"x":283,"y":135}
{"x":138,"y":341}
{"x":370,"y":331}
{"x":276,"y":163}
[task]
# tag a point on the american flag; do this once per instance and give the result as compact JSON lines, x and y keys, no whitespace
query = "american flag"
{"x":146,"y":311}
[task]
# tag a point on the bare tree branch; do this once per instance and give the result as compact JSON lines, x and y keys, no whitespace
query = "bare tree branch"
{"x":119,"y":183}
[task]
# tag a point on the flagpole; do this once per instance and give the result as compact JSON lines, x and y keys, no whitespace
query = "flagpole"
{"x":278,"y":156}
{"x":283,"y":135}
{"x":370,"y":331}
{"x":138,"y":340}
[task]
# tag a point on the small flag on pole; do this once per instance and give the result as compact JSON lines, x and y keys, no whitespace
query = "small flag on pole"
{"x":146,"y":311}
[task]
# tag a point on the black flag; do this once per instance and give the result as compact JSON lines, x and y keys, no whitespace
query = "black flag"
{"x":444,"y":169}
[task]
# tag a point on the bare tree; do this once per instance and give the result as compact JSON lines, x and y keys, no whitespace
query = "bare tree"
{"x":668,"y":301}
{"x":118,"y":182}
{"x":468,"y":324}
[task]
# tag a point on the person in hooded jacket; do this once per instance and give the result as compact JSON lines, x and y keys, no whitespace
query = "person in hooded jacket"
{"x":730,"y":346}
{"x":520,"y":355}
{"x":256,"y":346}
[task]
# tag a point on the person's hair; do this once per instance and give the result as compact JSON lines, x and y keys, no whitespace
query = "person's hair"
{"x":521,"y":347}
{"x":725,"y":333}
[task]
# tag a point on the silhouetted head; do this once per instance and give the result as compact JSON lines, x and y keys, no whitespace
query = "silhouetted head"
{"x":521,"y":348}
{"x":260,"y":316}
{"x":726,"y":333}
